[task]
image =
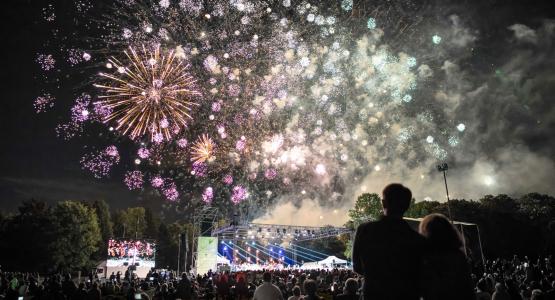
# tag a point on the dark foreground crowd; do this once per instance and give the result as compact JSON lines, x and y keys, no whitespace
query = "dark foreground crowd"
{"x":390,"y":261}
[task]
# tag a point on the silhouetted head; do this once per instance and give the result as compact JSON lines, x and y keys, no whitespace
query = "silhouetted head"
{"x":267,"y":277}
{"x":310,"y":287}
{"x":297,"y":291}
{"x":441,"y":234}
{"x":396,"y":199}
{"x":351,"y":286}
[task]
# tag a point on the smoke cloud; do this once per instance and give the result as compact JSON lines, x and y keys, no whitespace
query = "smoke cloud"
{"x":506,"y":105}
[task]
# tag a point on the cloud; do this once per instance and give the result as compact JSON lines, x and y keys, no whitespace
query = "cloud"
{"x":460,"y":36}
{"x":524,"y":33}
{"x":506,"y":147}
{"x":307,"y":212}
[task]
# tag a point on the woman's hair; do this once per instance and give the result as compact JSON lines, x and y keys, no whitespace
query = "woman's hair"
{"x":439,"y":231}
{"x":351,"y":286}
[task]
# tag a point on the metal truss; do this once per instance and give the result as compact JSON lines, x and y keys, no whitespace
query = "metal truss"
{"x":276,"y":232}
{"x":204,"y":214}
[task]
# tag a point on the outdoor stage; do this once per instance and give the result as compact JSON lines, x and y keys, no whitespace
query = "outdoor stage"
{"x":257,"y":246}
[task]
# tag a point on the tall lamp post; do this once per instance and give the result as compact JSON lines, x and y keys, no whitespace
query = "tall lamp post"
{"x":443,"y":168}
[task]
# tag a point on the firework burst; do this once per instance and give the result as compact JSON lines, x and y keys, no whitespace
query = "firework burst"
{"x":153,"y":94}
{"x":203,"y":149}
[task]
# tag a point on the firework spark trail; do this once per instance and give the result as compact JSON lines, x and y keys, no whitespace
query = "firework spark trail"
{"x":203,"y":149}
{"x":289,"y":92}
{"x":151,"y":94}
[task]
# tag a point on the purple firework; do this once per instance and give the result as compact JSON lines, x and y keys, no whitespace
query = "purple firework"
{"x":199,"y":169}
{"x":208,"y":195}
{"x":134,"y":180}
{"x":270,"y":174}
{"x":156,"y":181}
{"x":239,"y":194}
{"x":228,"y":179}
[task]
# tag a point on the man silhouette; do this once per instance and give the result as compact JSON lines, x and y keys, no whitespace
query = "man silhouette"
{"x":388,"y":252}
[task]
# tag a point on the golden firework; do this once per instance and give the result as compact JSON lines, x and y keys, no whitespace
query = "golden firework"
{"x":152,"y":94}
{"x":202,"y":149}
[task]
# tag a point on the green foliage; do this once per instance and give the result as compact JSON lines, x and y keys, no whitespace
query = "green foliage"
{"x":348,"y":242}
{"x":331,"y":245}
{"x":130,"y":223}
{"x":105,"y":224}
{"x":104,"y":221}
{"x":25,"y":238}
{"x":423,"y":208}
{"x":77,"y":235}
{"x":367,"y":207}
{"x":168,"y":244}
{"x":152,"y":223}
{"x":539,"y":208}
{"x":507,"y":225}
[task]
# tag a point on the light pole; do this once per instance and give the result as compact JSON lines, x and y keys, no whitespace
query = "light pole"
{"x":443,"y":168}
{"x":178,"y":254}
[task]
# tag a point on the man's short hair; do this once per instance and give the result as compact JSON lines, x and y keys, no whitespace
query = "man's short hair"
{"x":296,"y":291}
{"x":267,"y":276}
{"x":310,"y":287}
{"x":396,"y":198}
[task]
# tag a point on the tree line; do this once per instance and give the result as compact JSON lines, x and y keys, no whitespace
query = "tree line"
{"x":72,"y":235}
{"x":507,"y":225}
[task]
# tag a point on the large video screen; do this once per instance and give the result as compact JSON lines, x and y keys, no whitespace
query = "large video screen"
{"x":131,"y":252}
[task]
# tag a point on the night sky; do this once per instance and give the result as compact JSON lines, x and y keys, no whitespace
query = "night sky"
{"x":34,"y":163}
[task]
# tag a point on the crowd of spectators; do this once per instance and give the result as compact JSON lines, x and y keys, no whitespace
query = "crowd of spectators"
{"x":519,"y":278}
